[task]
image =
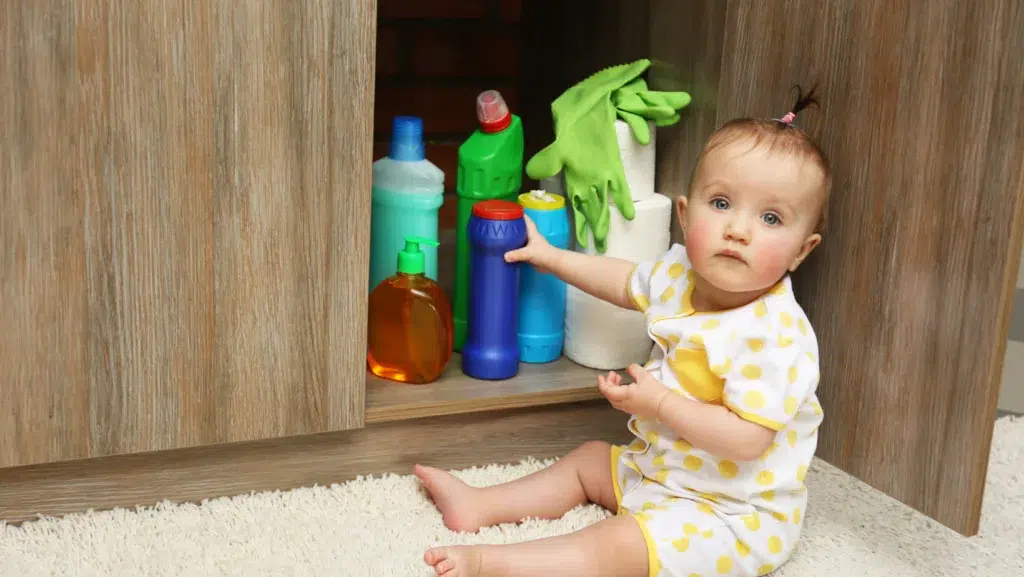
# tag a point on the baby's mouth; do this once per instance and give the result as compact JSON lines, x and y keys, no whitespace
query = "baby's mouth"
{"x":732,"y":255}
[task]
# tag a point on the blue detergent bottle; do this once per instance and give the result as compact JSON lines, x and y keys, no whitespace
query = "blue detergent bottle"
{"x":491,"y":350}
{"x":542,"y":295}
{"x":407,"y":193}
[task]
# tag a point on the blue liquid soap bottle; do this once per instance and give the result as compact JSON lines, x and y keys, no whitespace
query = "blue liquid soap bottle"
{"x":491,"y":350}
{"x":407,"y":192}
{"x":542,"y":295}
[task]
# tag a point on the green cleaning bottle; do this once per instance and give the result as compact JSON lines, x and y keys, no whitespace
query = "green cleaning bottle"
{"x":490,"y":167}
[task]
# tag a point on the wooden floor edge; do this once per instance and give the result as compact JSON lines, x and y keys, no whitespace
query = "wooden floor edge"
{"x":197,"y":474}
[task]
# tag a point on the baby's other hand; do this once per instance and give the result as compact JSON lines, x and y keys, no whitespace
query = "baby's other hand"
{"x":538,"y":251}
{"x":641,"y":397}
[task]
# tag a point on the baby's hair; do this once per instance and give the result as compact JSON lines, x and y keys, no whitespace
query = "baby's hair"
{"x":780,"y":135}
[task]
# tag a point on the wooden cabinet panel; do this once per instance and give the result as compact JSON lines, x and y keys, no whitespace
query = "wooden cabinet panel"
{"x":910,"y":291}
{"x":184,"y":223}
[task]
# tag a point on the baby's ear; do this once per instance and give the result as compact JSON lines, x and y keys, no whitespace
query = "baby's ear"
{"x":681,"y":206}
{"x":812,"y":241}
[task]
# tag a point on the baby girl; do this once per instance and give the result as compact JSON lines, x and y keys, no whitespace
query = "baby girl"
{"x":724,"y":412}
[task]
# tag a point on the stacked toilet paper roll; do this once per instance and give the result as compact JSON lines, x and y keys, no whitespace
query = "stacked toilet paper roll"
{"x":598,"y":334}
{"x":637,"y":160}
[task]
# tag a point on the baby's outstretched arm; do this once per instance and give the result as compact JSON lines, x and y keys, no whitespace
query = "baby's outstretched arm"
{"x":603,"y":277}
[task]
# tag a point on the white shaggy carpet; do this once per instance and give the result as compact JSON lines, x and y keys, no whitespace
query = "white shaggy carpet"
{"x":381,"y":526}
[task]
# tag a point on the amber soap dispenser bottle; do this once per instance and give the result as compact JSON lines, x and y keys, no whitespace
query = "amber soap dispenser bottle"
{"x":409,"y":333}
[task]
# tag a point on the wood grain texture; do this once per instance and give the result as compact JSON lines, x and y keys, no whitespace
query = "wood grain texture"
{"x":192,"y":475}
{"x":272,"y":211}
{"x":686,"y":54}
{"x":558,"y":382}
{"x":150,"y":324}
{"x":911,"y":289}
{"x":194,"y":178}
{"x":352,"y":56}
{"x":43,"y":385}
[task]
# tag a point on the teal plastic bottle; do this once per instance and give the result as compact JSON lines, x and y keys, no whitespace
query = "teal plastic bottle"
{"x":490,"y":168}
{"x":407,"y":193}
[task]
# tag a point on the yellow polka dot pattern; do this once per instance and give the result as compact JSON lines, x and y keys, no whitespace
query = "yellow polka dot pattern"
{"x":754,"y":400}
{"x":752,"y":372}
{"x":667,"y":294}
{"x":728,"y":469}
{"x":790,"y":405}
{"x":737,"y":352}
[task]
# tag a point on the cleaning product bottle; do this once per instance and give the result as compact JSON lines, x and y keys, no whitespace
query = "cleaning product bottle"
{"x":491,"y":350}
{"x":409,"y":334}
{"x":407,"y":192}
{"x":542,"y":295}
{"x":490,"y":167}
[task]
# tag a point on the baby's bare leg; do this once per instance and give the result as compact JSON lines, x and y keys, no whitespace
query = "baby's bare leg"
{"x":584,"y":475}
{"x":614,"y":547}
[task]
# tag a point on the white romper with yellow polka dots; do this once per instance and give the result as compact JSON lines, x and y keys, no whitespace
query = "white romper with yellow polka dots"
{"x":702,"y":515}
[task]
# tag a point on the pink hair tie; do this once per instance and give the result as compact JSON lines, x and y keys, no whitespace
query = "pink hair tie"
{"x":788,"y":118}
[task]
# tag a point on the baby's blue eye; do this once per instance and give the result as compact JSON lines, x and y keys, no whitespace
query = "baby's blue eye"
{"x":720,"y":203}
{"x":771,"y":219}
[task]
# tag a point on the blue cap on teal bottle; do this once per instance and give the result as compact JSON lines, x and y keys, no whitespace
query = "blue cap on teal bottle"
{"x":411,"y":259}
{"x":406,"y":139}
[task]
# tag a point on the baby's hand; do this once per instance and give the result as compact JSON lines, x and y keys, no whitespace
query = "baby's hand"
{"x":537,"y":251}
{"x":641,"y":397}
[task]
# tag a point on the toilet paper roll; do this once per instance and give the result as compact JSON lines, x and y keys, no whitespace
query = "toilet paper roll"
{"x":637,"y":160}
{"x":601,"y":335}
{"x":645,"y":237}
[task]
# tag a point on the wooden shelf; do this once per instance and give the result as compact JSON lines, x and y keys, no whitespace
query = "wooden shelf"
{"x":561,"y":381}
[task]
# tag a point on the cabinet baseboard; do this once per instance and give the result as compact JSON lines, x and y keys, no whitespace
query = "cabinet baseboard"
{"x":193,"y":475}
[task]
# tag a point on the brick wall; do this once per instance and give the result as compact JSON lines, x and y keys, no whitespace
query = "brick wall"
{"x":433,"y":58}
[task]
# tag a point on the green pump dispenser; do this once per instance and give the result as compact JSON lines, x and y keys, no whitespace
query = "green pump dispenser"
{"x":411,"y":260}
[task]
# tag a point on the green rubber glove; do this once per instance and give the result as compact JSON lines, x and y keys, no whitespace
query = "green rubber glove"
{"x":586,"y":148}
{"x":635,"y":105}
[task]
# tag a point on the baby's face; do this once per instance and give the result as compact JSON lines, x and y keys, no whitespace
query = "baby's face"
{"x":751,"y":216}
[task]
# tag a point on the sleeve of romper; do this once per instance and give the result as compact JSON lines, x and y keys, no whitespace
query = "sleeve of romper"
{"x":769,"y":377}
{"x":645,"y":276}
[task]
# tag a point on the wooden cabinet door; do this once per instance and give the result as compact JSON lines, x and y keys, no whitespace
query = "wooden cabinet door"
{"x":184,"y":209}
{"x":910,"y":292}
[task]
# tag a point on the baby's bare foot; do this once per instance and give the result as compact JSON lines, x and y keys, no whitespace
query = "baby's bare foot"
{"x":460,"y":561}
{"x":458,"y":503}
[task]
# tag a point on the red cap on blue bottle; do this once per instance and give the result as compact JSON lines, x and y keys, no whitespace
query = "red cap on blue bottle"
{"x":497,"y":210}
{"x":492,"y":112}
